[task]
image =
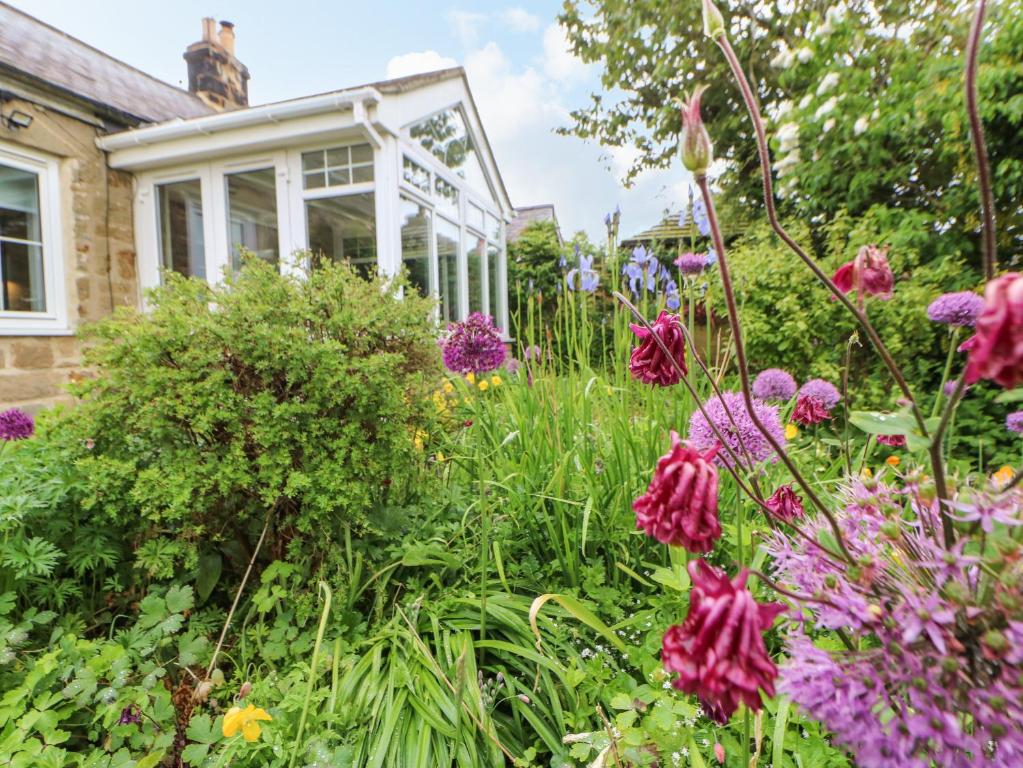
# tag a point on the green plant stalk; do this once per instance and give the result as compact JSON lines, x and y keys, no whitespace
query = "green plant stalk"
{"x":324,"y":614}
{"x":953,"y":336}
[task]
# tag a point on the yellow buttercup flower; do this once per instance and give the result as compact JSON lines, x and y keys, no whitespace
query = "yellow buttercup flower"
{"x":496,"y":381}
{"x":865,"y":472}
{"x":448,"y":387}
{"x":246,"y":720}
{"x":1004,"y":475}
{"x":419,"y":438}
{"x":483,"y":385}
{"x":893,"y":461}
{"x":439,"y":457}
{"x":470,"y":377}
{"x":791,"y":431}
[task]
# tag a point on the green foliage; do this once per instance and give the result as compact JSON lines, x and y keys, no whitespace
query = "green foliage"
{"x":298,"y":395}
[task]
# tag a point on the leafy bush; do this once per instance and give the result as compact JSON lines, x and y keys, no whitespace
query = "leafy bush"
{"x":282,"y":397}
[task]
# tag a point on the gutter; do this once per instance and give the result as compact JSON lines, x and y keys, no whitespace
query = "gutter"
{"x":241,"y":118}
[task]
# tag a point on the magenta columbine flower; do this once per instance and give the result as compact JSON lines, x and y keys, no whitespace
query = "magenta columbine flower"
{"x":823,"y":390}
{"x":810,"y":411}
{"x":15,"y":424}
{"x":473,"y":346}
{"x":1014,"y":422}
{"x":785,"y":504}
{"x":958,"y":309}
{"x":892,"y":441}
{"x":774,"y":384}
{"x":743,"y":437}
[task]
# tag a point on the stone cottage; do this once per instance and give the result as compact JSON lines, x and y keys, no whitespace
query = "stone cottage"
{"x":109,"y":177}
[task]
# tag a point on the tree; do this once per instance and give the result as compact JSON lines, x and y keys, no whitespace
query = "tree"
{"x":871,"y":96}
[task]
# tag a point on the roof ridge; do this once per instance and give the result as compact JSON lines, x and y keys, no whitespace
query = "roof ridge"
{"x":93,"y":48}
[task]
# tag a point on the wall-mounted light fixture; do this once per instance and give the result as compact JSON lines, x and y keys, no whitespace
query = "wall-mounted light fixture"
{"x":15,"y":119}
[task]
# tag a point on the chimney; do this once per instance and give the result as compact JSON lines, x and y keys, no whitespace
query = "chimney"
{"x":214,"y":74}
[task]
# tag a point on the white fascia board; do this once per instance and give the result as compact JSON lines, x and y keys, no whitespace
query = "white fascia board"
{"x":240,"y":131}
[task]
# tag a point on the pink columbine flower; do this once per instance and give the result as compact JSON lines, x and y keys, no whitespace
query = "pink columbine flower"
{"x":892,"y":441}
{"x":694,"y":143}
{"x":680,"y":507}
{"x":648,"y":363}
{"x":718,"y":651}
{"x":869,"y":273}
{"x":996,"y":349}
{"x":810,"y":410}
{"x":785,"y":504}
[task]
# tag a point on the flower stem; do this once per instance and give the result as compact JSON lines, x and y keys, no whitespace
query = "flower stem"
{"x":740,"y":359}
{"x":987,"y":204}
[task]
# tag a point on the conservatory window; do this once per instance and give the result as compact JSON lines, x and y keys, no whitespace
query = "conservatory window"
{"x":446,"y":196}
{"x":337,"y":167}
{"x":476,"y":253}
{"x":496,"y":308}
{"x":415,"y":175}
{"x":447,"y":268}
{"x":344,"y":228}
{"x":182,"y":246}
{"x":446,"y":136}
{"x":415,"y":244}
{"x":22,"y":269}
{"x":252,"y":215}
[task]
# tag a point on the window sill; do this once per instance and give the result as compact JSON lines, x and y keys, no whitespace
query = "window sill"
{"x":33,"y":329}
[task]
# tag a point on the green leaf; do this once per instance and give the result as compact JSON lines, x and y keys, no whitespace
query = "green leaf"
{"x":580,"y":611}
{"x":151,"y":760}
{"x":876,"y":423}
{"x":180,"y":599}
{"x":210,"y":566}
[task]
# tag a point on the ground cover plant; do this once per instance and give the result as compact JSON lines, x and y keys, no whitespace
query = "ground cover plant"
{"x":744,"y":503}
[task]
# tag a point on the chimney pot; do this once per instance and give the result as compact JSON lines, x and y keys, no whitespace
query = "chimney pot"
{"x":227,"y":36}
{"x":209,"y":29}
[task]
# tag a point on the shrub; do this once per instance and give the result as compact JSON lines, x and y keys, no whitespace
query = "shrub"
{"x":296,"y":397}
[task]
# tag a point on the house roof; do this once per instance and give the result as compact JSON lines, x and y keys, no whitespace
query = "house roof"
{"x":33,"y":49}
{"x":667,"y":230}
{"x":531,"y":214}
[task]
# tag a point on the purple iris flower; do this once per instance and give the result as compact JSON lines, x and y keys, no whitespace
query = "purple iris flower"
{"x":588,"y":279}
{"x":700,"y":217}
{"x":642,"y":270}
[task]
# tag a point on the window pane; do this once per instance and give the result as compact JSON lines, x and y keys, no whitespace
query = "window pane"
{"x":252,"y":215}
{"x":447,"y":137}
{"x":362,"y":153}
{"x":447,"y":267}
{"x":362,"y":173}
{"x":493,"y":281}
{"x":181,"y":236}
{"x":339,"y":164}
{"x":338,"y":178}
{"x":475,"y":216}
{"x":19,"y":204}
{"x":415,"y":244}
{"x":315,"y":180}
{"x":337,"y":158}
{"x":416,"y":175}
{"x":447,"y":197}
{"x":312,"y":160}
{"x":21,"y":267}
{"x":475,"y":253}
{"x":344,"y":228}
{"x":494,"y":228}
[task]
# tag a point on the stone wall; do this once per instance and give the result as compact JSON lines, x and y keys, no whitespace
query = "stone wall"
{"x":98,"y":250}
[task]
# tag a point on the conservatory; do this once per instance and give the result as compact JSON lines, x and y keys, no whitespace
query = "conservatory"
{"x":390,"y":175}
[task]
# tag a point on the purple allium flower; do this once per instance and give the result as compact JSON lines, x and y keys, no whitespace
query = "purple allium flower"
{"x":473,"y":346}
{"x":1014,"y":422}
{"x":15,"y":424}
{"x":926,"y":615}
{"x":746,"y":442}
{"x":960,"y":308}
{"x":774,"y":384}
{"x":691,"y":263}
{"x":823,"y":390}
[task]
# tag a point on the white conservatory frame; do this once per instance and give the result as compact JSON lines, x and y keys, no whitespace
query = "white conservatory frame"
{"x":275,"y":136}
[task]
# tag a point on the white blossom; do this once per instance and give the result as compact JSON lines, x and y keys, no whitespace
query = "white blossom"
{"x":804,"y":54}
{"x":783,"y":60}
{"x":805,"y":101}
{"x":861,"y":125}
{"x":826,"y":108}
{"x":828,"y":83}
{"x":828,"y":124}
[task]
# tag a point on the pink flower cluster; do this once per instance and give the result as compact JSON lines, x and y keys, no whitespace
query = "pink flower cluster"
{"x":648,"y":362}
{"x":473,"y":346}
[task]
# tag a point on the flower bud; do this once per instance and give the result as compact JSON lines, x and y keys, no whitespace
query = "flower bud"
{"x":713,"y":21}
{"x":245,"y":689}
{"x":694,"y":145}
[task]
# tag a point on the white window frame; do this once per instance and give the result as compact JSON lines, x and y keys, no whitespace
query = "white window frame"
{"x":54,"y":321}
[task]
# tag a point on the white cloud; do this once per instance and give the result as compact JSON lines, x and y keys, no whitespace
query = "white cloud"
{"x":520,"y":20}
{"x":416,"y":62}
{"x":467,"y":26}
{"x":558,"y":60}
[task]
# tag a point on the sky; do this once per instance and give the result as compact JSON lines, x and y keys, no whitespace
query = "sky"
{"x":523,"y":77}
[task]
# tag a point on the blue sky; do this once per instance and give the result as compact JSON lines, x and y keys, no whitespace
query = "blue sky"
{"x":523,"y":77}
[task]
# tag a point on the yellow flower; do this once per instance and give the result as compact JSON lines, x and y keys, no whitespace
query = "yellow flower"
{"x":420,"y":436}
{"x":439,"y":457}
{"x":791,"y":431}
{"x":470,"y":377}
{"x":448,"y":387}
{"x":246,"y":720}
{"x":893,"y":461}
{"x":1004,"y":475}
{"x":496,"y":381}
{"x":865,"y":472}
{"x":483,"y":385}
